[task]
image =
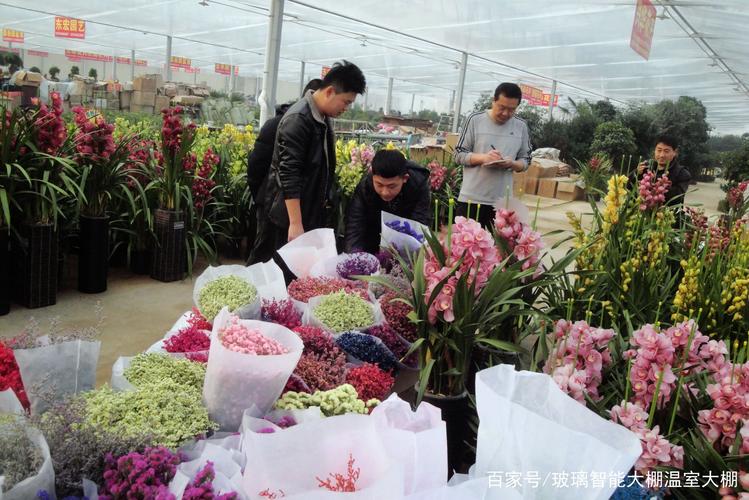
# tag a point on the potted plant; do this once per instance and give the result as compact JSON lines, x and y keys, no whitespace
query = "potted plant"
{"x":92,"y":73}
{"x":104,"y":176}
{"x":594,"y":174}
{"x":172,"y":181}
{"x":15,"y":131}
{"x":53,"y":72}
{"x":48,"y":179}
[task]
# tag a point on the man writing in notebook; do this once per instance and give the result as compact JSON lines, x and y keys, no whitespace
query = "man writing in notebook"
{"x":494,"y":144}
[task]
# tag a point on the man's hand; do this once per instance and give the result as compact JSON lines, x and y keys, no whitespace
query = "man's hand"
{"x":641,"y":167}
{"x":295,"y":231}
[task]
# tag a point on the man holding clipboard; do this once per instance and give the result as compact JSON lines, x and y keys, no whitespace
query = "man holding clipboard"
{"x":494,"y":144}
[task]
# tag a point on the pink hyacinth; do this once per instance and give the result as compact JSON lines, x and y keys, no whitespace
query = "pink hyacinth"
{"x":93,"y":140}
{"x":579,"y":355}
{"x":653,"y":190}
{"x":475,"y":246}
{"x":202,"y":184}
{"x":239,"y":338}
{"x":49,"y":125}
{"x":659,"y":352}
{"x":657,"y":451}
{"x":730,"y":395}
{"x":437,"y":174}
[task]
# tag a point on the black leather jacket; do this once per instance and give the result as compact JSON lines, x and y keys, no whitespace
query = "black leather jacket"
{"x":258,"y":162}
{"x":303,"y":166}
{"x":363,"y":220}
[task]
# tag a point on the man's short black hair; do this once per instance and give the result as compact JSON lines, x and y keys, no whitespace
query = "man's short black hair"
{"x":509,"y":90}
{"x":668,"y":140}
{"x":389,"y":163}
{"x":345,"y":77}
{"x":313,"y":84}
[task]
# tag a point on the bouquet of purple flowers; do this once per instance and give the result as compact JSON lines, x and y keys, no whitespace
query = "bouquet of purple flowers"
{"x":358,"y":264}
{"x":405,"y":228}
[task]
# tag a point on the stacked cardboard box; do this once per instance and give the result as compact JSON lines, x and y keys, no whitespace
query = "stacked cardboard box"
{"x":161,"y":102}
{"x":125,"y":99}
{"x":568,"y":190}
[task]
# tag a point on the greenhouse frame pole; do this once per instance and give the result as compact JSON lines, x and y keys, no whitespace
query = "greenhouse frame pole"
{"x":459,"y":96}
{"x":132,"y":65}
{"x":168,"y":67}
{"x":301,"y":79}
{"x":389,"y":98}
{"x":413,"y":98}
{"x":114,"y":66}
{"x":272,"y":55}
{"x":551,"y":101}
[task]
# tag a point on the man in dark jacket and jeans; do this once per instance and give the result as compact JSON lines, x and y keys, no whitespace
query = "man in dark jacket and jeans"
{"x":393,"y":185}
{"x":296,"y":191}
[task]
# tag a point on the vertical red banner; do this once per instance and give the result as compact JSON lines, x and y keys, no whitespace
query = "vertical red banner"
{"x":643,"y":28}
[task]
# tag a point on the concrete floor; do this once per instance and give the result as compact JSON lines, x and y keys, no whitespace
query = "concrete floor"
{"x":138,"y":310}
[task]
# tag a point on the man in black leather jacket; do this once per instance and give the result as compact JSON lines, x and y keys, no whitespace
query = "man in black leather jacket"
{"x":394,"y":185}
{"x":258,"y":166}
{"x":295,"y":193}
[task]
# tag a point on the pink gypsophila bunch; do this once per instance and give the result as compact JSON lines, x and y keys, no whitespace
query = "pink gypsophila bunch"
{"x":578,"y":358}
{"x":93,"y":139}
{"x":50,"y":127}
{"x":475,"y":246}
{"x":240,"y":338}
{"x":653,"y":190}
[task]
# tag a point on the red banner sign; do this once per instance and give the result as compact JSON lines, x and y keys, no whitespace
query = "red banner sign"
{"x":192,"y":70}
{"x":643,"y":28}
{"x":75,"y":55}
{"x":537,"y":97}
{"x":223,"y":69}
{"x":14,"y":50}
{"x":10,"y":35}
{"x":69,"y":27}
{"x":126,"y":60}
{"x":180,"y":62}
{"x":37,"y":53}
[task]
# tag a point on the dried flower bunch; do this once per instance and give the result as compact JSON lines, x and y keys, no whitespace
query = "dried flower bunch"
{"x":303,"y":289}
{"x":358,"y":264}
{"x":19,"y":456}
{"x":338,"y":401}
{"x":33,"y":336}
{"x":370,"y":381}
{"x":341,"y":311}
{"x":240,"y":338}
{"x":282,"y":312}
{"x":367,"y":348}
{"x":230,"y":291}
{"x":152,"y":368}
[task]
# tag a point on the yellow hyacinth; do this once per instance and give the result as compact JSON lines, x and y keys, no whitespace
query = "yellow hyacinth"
{"x":615,"y":198}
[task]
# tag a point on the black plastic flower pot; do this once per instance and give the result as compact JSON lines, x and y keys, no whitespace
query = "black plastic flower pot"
{"x":93,"y":256}
{"x":35,"y":261}
{"x":140,"y":261}
{"x":4,"y":272}
{"x":456,"y":413}
{"x":483,"y":357}
{"x":169,"y":262}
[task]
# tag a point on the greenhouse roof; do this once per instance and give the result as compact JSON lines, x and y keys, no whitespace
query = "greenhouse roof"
{"x":699,"y":47}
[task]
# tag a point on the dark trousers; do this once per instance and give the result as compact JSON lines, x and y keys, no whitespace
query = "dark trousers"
{"x":483,"y":214}
{"x":268,"y":239}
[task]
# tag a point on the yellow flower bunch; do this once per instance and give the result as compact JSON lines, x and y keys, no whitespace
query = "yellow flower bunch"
{"x":615,"y":197}
{"x":343,"y":150}
{"x":686,"y":295}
